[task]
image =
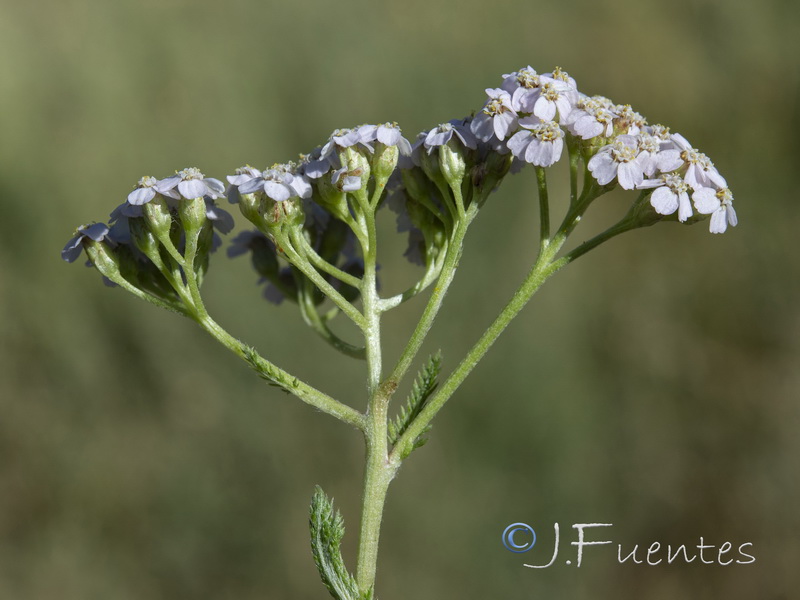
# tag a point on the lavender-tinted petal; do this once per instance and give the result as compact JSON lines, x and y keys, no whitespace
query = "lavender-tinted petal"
{"x":302,"y":187}
{"x":73,"y":249}
{"x":716,"y":178}
{"x":351,"y":183}
{"x":733,"y":221}
{"x":544,"y":109}
{"x":215,"y":185}
{"x":668,"y":160}
{"x":192,"y":188}
{"x":705,"y":200}
{"x":503,"y":123}
{"x":718,"y":222}
{"x":389,"y":136}
{"x":95,"y":231}
{"x":141,"y":196}
{"x":587,"y":127}
{"x":167,"y":183}
{"x":603,"y":168}
{"x":278,"y":191}
{"x":467,"y":137}
{"x":120,"y":232}
{"x":239,"y":179}
{"x":404,"y":146}
{"x":436,"y":137}
{"x":250,"y":187}
{"x":685,"y":210}
{"x":317,"y":168}
{"x":629,"y":175}
{"x":482,"y":127}
{"x":664,"y":201}
{"x":519,"y":142}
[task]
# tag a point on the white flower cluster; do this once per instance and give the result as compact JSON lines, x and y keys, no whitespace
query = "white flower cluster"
{"x":530,"y":114}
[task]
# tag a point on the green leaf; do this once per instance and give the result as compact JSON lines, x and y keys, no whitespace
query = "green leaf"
{"x":268,"y":373}
{"x":327,"y":531}
{"x":424,"y":385}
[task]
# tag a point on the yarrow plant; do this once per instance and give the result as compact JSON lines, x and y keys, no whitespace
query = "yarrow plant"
{"x":315,"y":244}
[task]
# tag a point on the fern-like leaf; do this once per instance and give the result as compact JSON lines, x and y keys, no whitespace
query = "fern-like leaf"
{"x":424,"y":385}
{"x":327,"y":531}
{"x":269,"y":374}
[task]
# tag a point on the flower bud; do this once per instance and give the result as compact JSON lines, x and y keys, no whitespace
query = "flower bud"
{"x":452,"y":164}
{"x":430,"y":166}
{"x":250,"y":205}
{"x":332,"y":199}
{"x":193,"y":214}
{"x":384,"y":162}
{"x":159,"y":217}
{"x":287,"y":214}
{"x":103,"y":258}
{"x":143,"y":237}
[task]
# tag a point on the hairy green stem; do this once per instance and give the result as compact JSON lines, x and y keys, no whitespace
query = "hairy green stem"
{"x":377,"y":474}
{"x":305,"y":392}
{"x":435,"y":301}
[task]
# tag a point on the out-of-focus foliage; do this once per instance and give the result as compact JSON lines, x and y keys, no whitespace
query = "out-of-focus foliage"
{"x":654,"y":384}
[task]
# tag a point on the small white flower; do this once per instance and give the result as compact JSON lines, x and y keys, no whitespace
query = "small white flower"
{"x":628,"y":120}
{"x":387,"y":134}
{"x":621,"y":159}
{"x":144,"y":192}
{"x":538,"y":143}
{"x":718,"y":204}
{"x":700,"y":171}
{"x":190,"y":184}
{"x":345,"y":180}
{"x":279,"y":183}
{"x":592,"y":117}
{"x":443,"y":133}
{"x":671,"y":194}
{"x":551,"y":98}
{"x":526,"y":78}
{"x":496,"y":117}
{"x":241,"y":175}
{"x":661,"y":157}
{"x":560,"y":75}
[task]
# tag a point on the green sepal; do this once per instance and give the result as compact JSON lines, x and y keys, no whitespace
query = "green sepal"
{"x":327,"y":531}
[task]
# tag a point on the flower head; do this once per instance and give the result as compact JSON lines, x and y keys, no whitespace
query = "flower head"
{"x":700,"y":171}
{"x":719,"y":204}
{"x":190,"y":183}
{"x":622,"y":159}
{"x":443,"y":133}
{"x":279,"y":182}
{"x":388,"y":134}
{"x":96,"y":232}
{"x":496,"y":117}
{"x":538,"y":143}
{"x":144,"y":192}
{"x":592,"y":117}
{"x":671,"y":194}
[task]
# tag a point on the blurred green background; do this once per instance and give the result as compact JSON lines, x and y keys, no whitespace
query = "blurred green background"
{"x":653,"y":385}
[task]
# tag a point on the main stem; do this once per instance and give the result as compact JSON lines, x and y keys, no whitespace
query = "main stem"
{"x":378,"y":471}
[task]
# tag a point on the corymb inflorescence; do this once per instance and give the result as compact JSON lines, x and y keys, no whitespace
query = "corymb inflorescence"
{"x":313,"y":242}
